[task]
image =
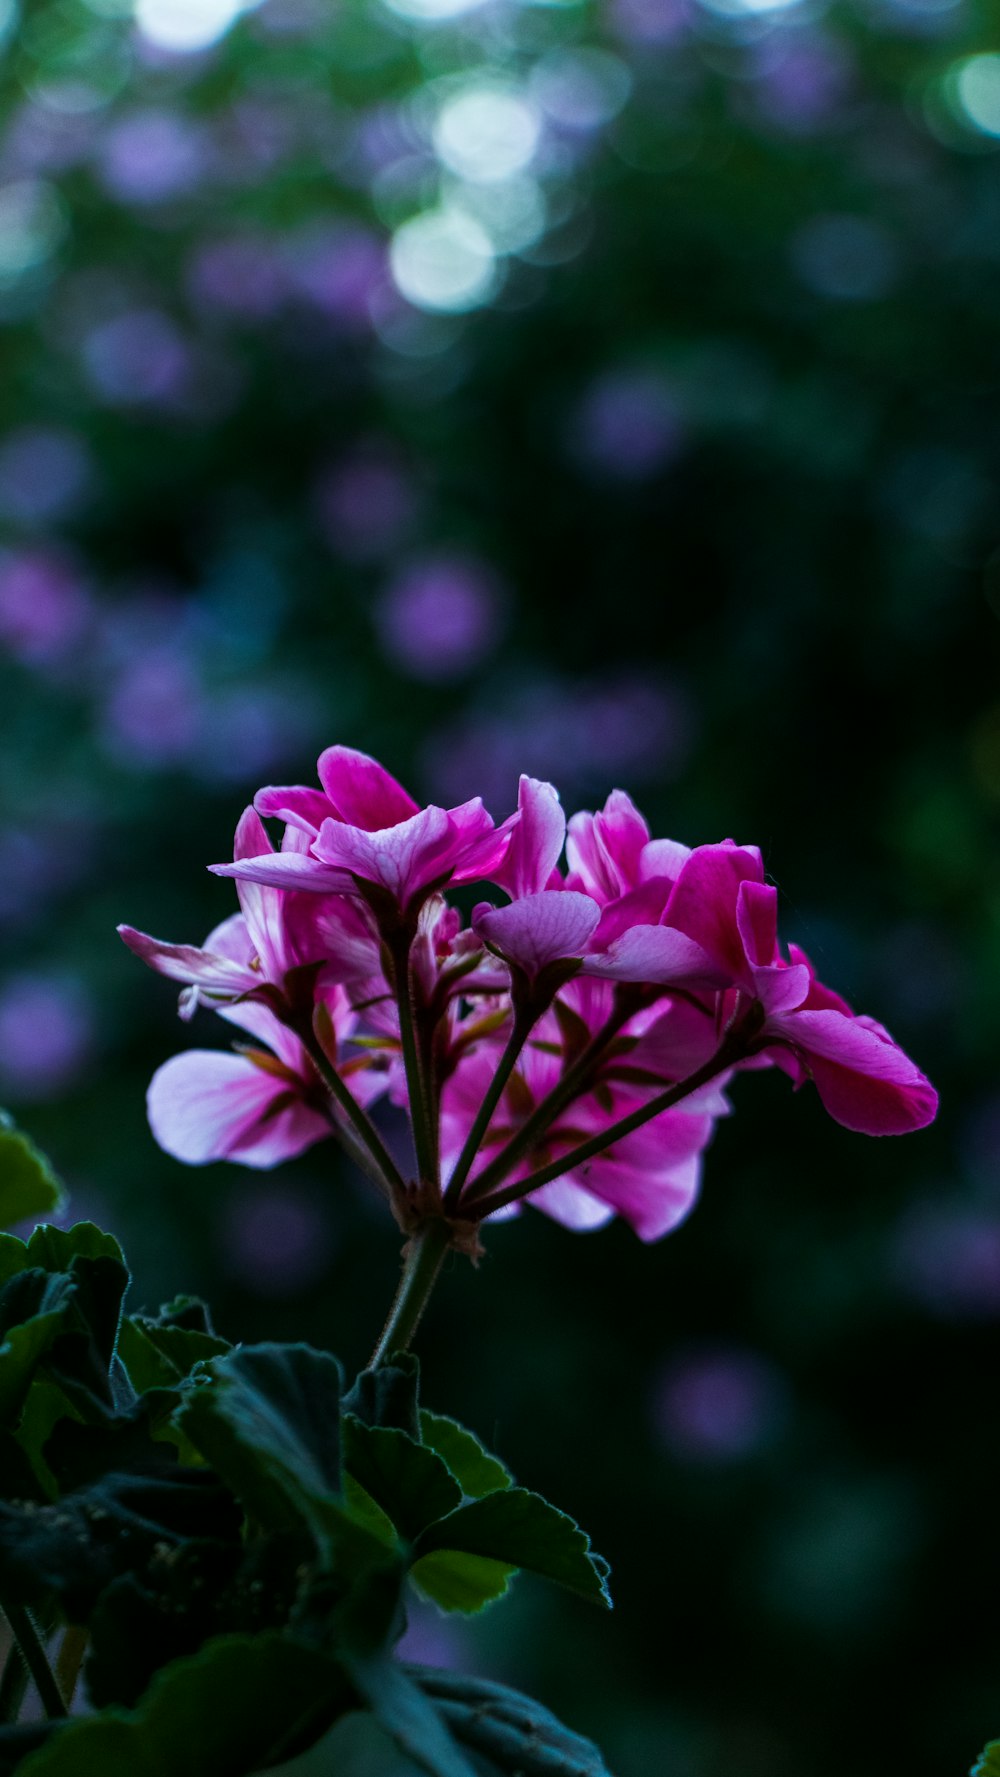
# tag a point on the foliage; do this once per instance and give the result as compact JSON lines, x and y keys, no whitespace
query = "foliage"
{"x":233,"y":1535}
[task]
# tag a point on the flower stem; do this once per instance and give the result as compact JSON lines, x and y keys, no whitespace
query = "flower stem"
{"x":424,"y":1256}
{"x":33,"y":1653}
{"x":544,"y":1114}
{"x":416,"y":1065}
{"x":70,"y":1658}
{"x":524,"y":1022}
{"x":731,"y":1049}
{"x":367,"y":1149}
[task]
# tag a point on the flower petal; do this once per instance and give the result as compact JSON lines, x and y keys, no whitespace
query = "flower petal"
{"x":539,"y":929}
{"x":188,"y":964}
{"x":864,"y":1079}
{"x":362,"y":792}
{"x":658,"y":955}
{"x":536,"y":839}
{"x":206,"y":1105}
{"x":703,"y":901}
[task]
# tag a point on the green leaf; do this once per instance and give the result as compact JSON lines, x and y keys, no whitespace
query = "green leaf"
{"x":512,"y":1731}
{"x":407,"y":1480}
{"x":234,"y":1707}
{"x":33,"y":1304}
{"x":988,"y":1762}
{"x":266,"y":1417}
{"x":56,"y":1248}
{"x":186,"y":1594}
{"x":475,"y":1470}
{"x":461,"y":1582}
{"x":75,"y":1547}
{"x":523,"y":1529}
{"x":388,"y":1395}
{"x":28,"y":1186}
{"x":158,"y":1355}
{"x":411,"y":1721}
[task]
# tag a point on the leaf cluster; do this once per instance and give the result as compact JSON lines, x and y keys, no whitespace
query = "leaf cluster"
{"x":230,"y":1534}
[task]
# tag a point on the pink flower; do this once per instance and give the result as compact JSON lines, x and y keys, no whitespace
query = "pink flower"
{"x":650,"y":1177}
{"x":863,"y":1077}
{"x":366,"y":834}
{"x":254,"y":1107}
{"x":274,"y":934}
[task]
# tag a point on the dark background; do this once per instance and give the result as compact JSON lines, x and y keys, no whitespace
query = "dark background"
{"x":697,"y":497}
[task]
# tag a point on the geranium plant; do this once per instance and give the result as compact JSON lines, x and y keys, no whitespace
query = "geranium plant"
{"x":222,"y":1539}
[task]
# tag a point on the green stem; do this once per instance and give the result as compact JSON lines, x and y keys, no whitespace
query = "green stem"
{"x":524,"y":1022}
{"x":731,"y":1049}
{"x":70,"y":1658}
{"x":544,"y":1114}
{"x":421,"y":1117}
{"x":13,"y":1685}
{"x":368,"y":1149}
{"x":35,"y":1659}
{"x":422,"y":1263}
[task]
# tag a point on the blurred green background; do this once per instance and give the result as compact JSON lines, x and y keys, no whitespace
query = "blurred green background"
{"x":609,"y":393}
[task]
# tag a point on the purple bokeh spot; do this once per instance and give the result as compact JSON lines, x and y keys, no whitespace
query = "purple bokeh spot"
{"x":137,"y":358}
{"x":581,"y":736}
{"x":440,"y":618}
{"x":246,"y":731}
{"x":47,"y":1034}
{"x":650,"y":21}
{"x":804,"y":85}
{"x":627,"y":426}
{"x":153,"y":714}
{"x":277,"y":1239}
{"x":241,"y":276}
{"x":948,"y":1259}
{"x":44,"y":607}
{"x":720,"y":1405}
{"x":151,"y":157}
{"x":366,"y":505}
{"x":339,"y":272}
{"x":45,"y":475}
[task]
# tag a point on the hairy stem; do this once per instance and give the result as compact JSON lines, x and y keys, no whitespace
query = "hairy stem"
{"x":417,"y":1068}
{"x":367,"y":1148}
{"x":424,"y":1256}
{"x":524,"y":1022}
{"x":568,"y":1087}
{"x":731,"y":1049}
{"x":33,"y":1653}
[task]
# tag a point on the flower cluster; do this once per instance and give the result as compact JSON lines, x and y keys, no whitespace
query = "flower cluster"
{"x":570,"y":1047}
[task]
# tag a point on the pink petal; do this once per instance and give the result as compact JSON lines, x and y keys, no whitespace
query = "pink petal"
{"x":536,"y":840}
{"x":757,"y":922}
{"x":362,"y":792}
{"x":262,"y":906}
{"x":663,"y":858}
{"x":658,"y":955}
{"x":479,"y":847}
{"x":402,"y":858}
{"x":188,"y":964}
{"x":300,"y":806}
{"x":641,"y":906}
{"x":290,"y":870}
{"x":653,"y":1204}
{"x":864,"y":1079}
{"x":539,"y":929}
{"x":206,"y":1105}
{"x":704,"y":897}
{"x":604,"y":849}
{"x":571,"y":1205}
